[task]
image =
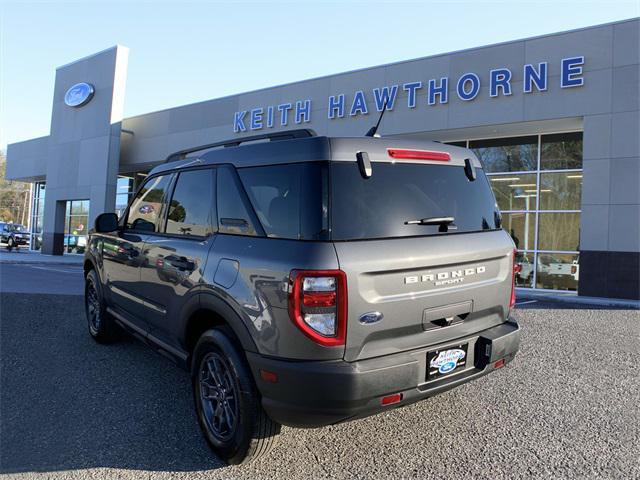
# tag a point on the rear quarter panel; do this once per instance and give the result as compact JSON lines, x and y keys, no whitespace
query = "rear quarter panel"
{"x":251,"y":274}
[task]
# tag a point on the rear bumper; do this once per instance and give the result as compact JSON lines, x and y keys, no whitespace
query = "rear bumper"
{"x":315,"y":394}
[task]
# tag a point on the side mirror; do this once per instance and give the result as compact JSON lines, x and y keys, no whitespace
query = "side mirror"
{"x":106,"y":222}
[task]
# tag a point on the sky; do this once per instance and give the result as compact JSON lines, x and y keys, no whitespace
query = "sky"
{"x":183,"y":52}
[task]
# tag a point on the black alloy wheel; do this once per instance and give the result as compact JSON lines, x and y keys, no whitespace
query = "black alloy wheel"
{"x":218,"y":396}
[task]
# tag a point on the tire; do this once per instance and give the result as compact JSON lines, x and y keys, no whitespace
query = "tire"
{"x":102,"y":328}
{"x":10,"y":244}
{"x":237,"y":429}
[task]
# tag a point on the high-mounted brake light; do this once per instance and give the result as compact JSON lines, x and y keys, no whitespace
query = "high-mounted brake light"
{"x":418,"y":154}
{"x":318,"y":304}
{"x":516,"y":269}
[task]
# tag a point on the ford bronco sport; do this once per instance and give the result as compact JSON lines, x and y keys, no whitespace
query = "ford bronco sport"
{"x":305,"y":280}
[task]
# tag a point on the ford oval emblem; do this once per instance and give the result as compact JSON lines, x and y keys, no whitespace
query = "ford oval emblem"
{"x":79,"y":94}
{"x":370,"y":317}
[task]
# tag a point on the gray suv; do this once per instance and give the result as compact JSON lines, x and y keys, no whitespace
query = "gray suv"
{"x":305,"y":281}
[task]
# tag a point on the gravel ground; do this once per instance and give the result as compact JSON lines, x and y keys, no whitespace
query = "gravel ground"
{"x":567,"y":407}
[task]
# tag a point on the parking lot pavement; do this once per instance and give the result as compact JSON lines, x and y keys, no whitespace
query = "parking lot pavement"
{"x":41,"y":278}
{"x":567,"y":407}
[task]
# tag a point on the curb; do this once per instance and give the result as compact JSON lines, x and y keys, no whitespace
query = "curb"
{"x":36,"y":262}
{"x":37,"y":259}
{"x":596,"y":301}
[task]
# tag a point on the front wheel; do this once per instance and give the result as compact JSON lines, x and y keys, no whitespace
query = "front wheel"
{"x":101,"y":325}
{"x":10,"y":244}
{"x":227,"y":403}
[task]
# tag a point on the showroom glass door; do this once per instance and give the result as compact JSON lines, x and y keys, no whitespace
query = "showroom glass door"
{"x":75,"y":226}
{"x":37,"y":214}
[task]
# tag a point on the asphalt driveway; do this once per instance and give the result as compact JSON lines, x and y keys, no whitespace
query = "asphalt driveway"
{"x":567,"y":407}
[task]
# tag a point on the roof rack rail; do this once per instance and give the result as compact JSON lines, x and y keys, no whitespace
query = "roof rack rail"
{"x":284,"y":135}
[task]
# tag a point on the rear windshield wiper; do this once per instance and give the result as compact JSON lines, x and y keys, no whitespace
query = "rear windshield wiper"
{"x":431,"y":221}
{"x":445,"y":223}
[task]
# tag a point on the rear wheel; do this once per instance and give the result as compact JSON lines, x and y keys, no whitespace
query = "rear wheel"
{"x":101,"y":325}
{"x":227,"y":403}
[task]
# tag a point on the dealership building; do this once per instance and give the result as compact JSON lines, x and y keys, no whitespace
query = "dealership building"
{"x":554,"y":119}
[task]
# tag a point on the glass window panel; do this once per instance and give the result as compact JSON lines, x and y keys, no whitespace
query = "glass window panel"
{"x":360,"y":208}
{"x":507,"y":154}
{"x":521,"y":227}
{"x":559,"y":231}
{"x":122,"y":200}
{"x":280,"y":193}
{"x":191,"y":207}
{"x":558,"y":271}
{"x":124,"y":185}
{"x":515,"y":192}
{"x":78,"y":224}
{"x":145,"y":209}
{"x":560,"y":191}
{"x":233,"y":211}
{"x":524,"y":278}
{"x":562,"y":150}
{"x":75,"y":243}
{"x":78,"y":207}
{"x":40,"y":189}
{"x":36,"y":242}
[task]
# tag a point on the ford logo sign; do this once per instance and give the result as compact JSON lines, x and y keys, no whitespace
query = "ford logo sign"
{"x":370,"y":317}
{"x":79,"y":94}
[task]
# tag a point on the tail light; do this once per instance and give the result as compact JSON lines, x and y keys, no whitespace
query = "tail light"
{"x":318,"y":305}
{"x":574,"y":269}
{"x":516,"y":269}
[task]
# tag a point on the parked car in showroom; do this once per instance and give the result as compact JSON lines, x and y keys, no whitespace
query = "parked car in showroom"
{"x":558,"y":272}
{"x":75,"y":243}
{"x":13,"y":235}
{"x":307,"y":281}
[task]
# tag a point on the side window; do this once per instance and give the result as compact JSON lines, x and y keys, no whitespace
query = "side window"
{"x":290,"y":200}
{"x":146,"y":207}
{"x":191,"y":210}
{"x":233,"y":213}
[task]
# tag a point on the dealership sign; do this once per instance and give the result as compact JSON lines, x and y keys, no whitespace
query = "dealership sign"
{"x":433,"y":92}
{"x":79,"y":94}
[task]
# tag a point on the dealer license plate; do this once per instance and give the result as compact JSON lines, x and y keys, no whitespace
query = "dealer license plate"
{"x":446,"y":361}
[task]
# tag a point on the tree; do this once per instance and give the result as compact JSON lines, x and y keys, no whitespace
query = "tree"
{"x":14,"y":197}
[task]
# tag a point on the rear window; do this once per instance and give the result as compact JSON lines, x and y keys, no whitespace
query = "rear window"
{"x":378,"y":207}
